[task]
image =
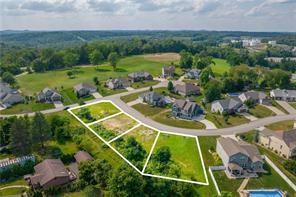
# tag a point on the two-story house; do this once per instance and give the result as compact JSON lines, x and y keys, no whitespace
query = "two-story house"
{"x":186,"y":109}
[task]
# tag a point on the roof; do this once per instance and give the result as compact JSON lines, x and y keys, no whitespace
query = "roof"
{"x":48,"y":170}
{"x":83,"y":86}
{"x":232,"y":147}
{"x":12,"y":98}
{"x":152,"y":96}
{"x":169,"y":69}
{"x":185,"y":105}
{"x":82,"y":156}
{"x":284,"y":93}
{"x":187,"y":87}
{"x":229,"y":103}
{"x":139,"y":74}
{"x":4,"y":89}
{"x":194,"y":72}
{"x":289,"y":137}
{"x":118,"y":80}
{"x":254,"y":95}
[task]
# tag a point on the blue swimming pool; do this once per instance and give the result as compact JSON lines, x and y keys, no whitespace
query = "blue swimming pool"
{"x":272,"y":193}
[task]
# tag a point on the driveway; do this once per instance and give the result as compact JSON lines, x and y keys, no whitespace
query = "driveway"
{"x":129,"y":89}
{"x":274,"y":109}
{"x":133,"y":102}
{"x":249,"y":116}
{"x":58,"y":104}
{"x":287,"y":107}
{"x":97,"y":95}
{"x":208,"y":124}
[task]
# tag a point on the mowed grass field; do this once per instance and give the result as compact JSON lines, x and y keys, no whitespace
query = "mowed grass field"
{"x":184,"y":153}
{"x":150,"y":63}
{"x":220,"y":66}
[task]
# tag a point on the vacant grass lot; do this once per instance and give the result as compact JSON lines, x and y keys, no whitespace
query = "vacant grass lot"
{"x":85,"y":74}
{"x":221,"y":122}
{"x":260,"y":111}
{"x":282,"y":125}
{"x":27,"y":108}
{"x":69,"y":97}
{"x":148,"y":110}
{"x":220,"y":67}
{"x":184,"y":153}
{"x":98,"y":111}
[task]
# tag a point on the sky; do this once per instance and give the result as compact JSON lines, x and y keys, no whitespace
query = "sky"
{"x":232,"y":15}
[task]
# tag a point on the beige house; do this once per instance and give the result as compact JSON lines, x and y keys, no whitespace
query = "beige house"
{"x":281,"y":142}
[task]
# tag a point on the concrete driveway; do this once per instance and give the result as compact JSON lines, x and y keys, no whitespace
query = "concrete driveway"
{"x":287,"y":107}
{"x":129,"y":89}
{"x":97,"y":95}
{"x":208,"y":124}
{"x":249,"y":116}
{"x":58,"y":104}
{"x":274,"y":109}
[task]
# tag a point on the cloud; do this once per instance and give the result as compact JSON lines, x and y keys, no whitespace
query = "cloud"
{"x":49,"y":6}
{"x":104,"y":5}
{"x":206,"y":6}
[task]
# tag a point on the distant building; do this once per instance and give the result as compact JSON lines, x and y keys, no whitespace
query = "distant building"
{"x":251,"y":42}
{"x":254,"y":96}
{"x":153,"y":98}
{"x":140,"y":76}
{"x":7,"y":163}
{"x":281,"y":142}
{"x":168,"y":71}
{"x":186,"y":109}
{"x":229,"y":105}
{"x":285,"y":95}
{"x":272,"y":42}
{"x":84,"y":89}
{"x":118,"y":83}
{"x":239,"y":158}
{"x":9,"y":96}
{"x":81,"y":156}
{"x":50,"y":173}
{"x":48,"y":95}
{"x":279,"y":59}
{"x":193,"y":73}
{"x":187,"y":89}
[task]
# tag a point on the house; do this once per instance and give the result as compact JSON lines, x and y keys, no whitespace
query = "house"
{"x":118,"y":83}
{"x":50,"y":173}
{"x":81,"y":156}
{"x":139,"y":76}
{"x":284,"y":95}
{"x":84,"y":89}
{"x":239,"y":158}
{"x":8,"y":163}
{"x":153,"y":98}
{"x":9,"y":96}
{"x":187,"y":89}
{"x":168,"y":71}
{"x":186,"y":109}
{"x":254,"y":96}
{"x":193,"y":73}
{"x":48,"y":95}
{"x":229,"y":105}
{"x":281,"y":142}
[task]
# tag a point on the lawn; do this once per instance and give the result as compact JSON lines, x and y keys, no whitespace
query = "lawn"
{"x":260,"y":111}
{"x":293,"y":104}
{"x":148,"y":110}
{"x":275,"y":104}
{"x":69,"y":97}
{"x":282,"y":125}
{"x":131,"y":97}
{"x":13,"y":191}
{"x":27,"y":108}
{"x":226,"y":184}
{"x":184,"y":153}
{"x":98,"y":111}
{"x":220,"y":67}
{"x":221,"y":122}
{"x":143,"y":84}
{"x":86,"y":74}
{"x":104,"y":91}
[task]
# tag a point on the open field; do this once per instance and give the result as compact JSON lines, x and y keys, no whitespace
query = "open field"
{"x":282,"y":125}
{"x":260,"y":111}
{"x":59,"y":78}
{"x":27,"y":108}
{"x":163,"y":57}
{"x":221,"y":122}
{"x":119,"y":123}
{"x":220,"y":67}
{"x":184,"y":153}
{"x":98,"y":111}
{"x":69,"y":97}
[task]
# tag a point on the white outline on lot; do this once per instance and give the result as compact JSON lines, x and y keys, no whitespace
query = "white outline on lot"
{"x":87,"y":125}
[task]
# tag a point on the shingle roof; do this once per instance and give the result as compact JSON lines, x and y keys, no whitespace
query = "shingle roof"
{"x":229,"y":103}
{"x":118,"y":80}
{"x":82,"y":156}
{"x":139,"y":74}
{"x":289,"y":137}
{"x":254,"y":95}
{"x":284,"y":93}
{"x":152,"y":96}
{"x":186,"y":88}
{"x":169,"y":69}
{"x":185,"y":105}
{"x":232,"y":147}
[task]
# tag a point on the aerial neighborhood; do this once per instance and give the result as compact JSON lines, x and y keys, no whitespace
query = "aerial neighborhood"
{"x":137,"y":114}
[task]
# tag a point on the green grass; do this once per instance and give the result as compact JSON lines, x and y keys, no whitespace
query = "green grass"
{"x":27,"y":108}
{"x":59,"y":78}
{"x":148,"y":110}
{"x":69,"y":97}
{"x":69,"y":147}
{"x":184,"y":153}
{"x":260,"y":111}
{"x":131,"y":97}
{"x":105,"y":91}
{"x":143,"y":84}
{"x":220,"y":67}
{"x":220,"y":122}
{"x":226,"y":184}
{"x":293,"y":104}
{"x":99,"y":111}
{"x":13,"y":191}
{"x":282,"y":125}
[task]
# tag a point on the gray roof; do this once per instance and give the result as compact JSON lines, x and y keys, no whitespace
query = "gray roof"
{"x":284,"y":93}
{"x":254,"y":95}
{"x":232,"y":147}
{"x":169,"y":69}
{"x":119,"y":80}
{"x":229,"y":103}
{"x":152,"y":96}
{"x":82,"y":156}
{"x":186,"y":88}
{"x":289,"y":137}
{"x":80,"y":86}
{"x":12,"y":98}
{"x":185,"y":105}
{"x":48,"y":170}
{"x":194,"y":72}
{"x":139,"y":74}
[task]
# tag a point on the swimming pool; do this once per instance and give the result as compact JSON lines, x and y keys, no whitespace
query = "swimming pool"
{"x":266,"y":193}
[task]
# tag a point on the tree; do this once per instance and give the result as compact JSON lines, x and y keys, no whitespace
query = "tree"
{"x":96,"y":57}
{"x":170,"y":86}
{"x":206,"y":76}
{"x":163,"y":154}
{"x":126,"y":182}
{"x":151,"y":89}
{"x":85,"y":113}
{"x":70,"y":74}
{"x":20,"y":136}
{"x":102,"y":172}
{"x":186,"y":59}
{"x":202,"y":62}
{"x":133,"y":150}
{"x":96,"y":80}
{"x":92,"y":191}
{"x":113,"y":59}
{"x":212,"y":91}
{"x":8,"y":78}
{"x":40,"y":129}
{"x":70,"y":58}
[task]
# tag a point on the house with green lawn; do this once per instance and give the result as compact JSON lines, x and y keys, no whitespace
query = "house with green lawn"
{"x":48,"y":95}
{"x":84,"y":89}
{"x":186,"y":110}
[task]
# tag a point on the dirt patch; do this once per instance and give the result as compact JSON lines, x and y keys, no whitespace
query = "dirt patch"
{"x":120,"y":123}
{"x":162,"y":57}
